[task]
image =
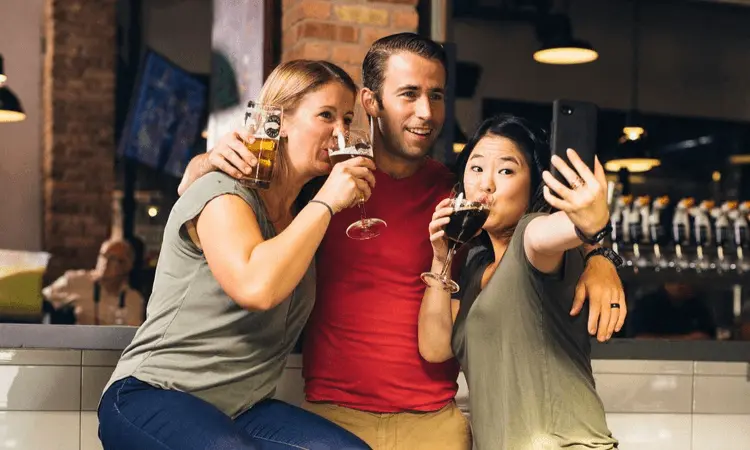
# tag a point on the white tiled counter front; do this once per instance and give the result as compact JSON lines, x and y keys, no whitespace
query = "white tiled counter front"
{"x":48,"y":399}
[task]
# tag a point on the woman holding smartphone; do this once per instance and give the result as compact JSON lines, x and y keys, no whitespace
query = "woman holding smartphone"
{"x":526,"y":359}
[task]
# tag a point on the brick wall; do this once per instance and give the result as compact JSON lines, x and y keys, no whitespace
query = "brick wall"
{"x":78,"y":107}
{"x":341,"y":31}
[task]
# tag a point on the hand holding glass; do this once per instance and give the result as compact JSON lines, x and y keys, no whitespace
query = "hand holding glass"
{"x":466,"y":221}
{"x":347,"y":145}
{"x":264,"y":124}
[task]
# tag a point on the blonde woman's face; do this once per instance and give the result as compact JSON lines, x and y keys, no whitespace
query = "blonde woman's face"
{"x":310,"y":127}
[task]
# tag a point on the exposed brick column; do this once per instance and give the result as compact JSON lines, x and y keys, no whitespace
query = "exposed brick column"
{"x":79,"y":116}
{"x":341,"y":31}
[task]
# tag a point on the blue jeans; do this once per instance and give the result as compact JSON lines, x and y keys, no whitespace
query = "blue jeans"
{"x":134,"y":415}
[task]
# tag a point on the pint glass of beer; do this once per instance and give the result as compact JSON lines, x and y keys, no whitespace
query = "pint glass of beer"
{"x":264,"y":123}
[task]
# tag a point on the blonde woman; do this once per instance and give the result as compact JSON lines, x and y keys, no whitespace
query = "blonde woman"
{"x":234,"y":286}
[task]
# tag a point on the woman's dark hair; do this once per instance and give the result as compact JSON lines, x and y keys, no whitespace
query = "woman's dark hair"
{"x":530,"y":140}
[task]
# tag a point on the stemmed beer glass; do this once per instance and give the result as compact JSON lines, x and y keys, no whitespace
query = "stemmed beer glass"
{"x":467,"y":219}
{"x":347,"y":145}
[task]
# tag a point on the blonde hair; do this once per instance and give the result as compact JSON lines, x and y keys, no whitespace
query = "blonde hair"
{"x":290,"y":82}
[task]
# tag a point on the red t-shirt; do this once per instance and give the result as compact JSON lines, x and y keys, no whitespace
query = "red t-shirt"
{"x":361,"y":349}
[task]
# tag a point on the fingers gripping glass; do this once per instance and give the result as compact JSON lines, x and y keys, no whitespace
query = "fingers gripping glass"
{"x":264,"y":124}
{"x":347,"y":145}
{"x":466,"y":221}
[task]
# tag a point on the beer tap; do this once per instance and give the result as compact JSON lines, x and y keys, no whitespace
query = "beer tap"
{"x":703,"y":234}
{"x":722,"y":216}
{"x":620,"y":233}
{"x":638,"y":225}
{"x":741,"y":235}
{"x":657,"y":231}
{"x":681,"y":230}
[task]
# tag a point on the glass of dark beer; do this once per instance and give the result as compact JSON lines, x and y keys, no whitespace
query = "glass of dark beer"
{"x":467,"y":219}
{"x":351,"y":144}
{"x":264,"y":123}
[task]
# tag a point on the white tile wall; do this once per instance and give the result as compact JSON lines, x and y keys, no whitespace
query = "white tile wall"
{"x":642,"y":367}
{"x":22,"y":357}
{"x":721,"y":395}
{"x":462,"y":396}
{"x":721,"y":431}
{"x":638,"y":393}
{"x":40,"y":388}
{"x":26,"y":430}
{"x":90,"y":431}
{"x":100,"y":358}
{"x":661,"y":405}
{"x":651,"y":431}
{"x":93,"y":380}
{"x":736,"y":369}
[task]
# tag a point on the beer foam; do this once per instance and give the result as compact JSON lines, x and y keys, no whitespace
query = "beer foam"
{"x":475,"y":207}
{"x":352,"y":150}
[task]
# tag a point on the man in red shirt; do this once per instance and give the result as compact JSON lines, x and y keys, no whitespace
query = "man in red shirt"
{"x":361,"y":360}
{"x":362,"y":366}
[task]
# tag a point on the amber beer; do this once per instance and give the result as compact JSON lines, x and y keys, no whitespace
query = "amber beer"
{"x":264,"y":122}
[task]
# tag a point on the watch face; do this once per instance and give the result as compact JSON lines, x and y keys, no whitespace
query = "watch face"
{"x":614,"y":257}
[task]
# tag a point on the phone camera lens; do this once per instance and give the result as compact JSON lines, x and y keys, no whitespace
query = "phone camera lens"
{"x":567,"y":110}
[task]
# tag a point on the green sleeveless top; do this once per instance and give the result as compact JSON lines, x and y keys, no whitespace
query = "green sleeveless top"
{"x":195,"y":338}
{"x":527,"y":361}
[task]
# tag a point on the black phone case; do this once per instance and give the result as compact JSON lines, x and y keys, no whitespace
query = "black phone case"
{"x":573,"y":126}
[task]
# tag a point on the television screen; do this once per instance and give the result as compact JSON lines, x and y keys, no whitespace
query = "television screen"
{"x":164,"y":120}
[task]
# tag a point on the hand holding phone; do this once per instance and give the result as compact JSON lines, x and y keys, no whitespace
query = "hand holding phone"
{"x":573,"y":126}
{"x":577,"y":184}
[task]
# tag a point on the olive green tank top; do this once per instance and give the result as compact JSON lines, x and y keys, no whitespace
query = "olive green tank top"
{"x":527,"y":361}
{"x":195,"y":338}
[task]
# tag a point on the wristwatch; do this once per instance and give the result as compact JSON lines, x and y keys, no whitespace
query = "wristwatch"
{"x":597,"y":237}
{"x":608,"y":253}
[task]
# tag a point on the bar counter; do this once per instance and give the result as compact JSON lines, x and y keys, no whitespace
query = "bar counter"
{"x":658,"y":394}
{"x":90,"y":337}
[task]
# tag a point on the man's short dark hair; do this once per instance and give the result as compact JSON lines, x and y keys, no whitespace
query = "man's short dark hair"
{"x":373,"y":67}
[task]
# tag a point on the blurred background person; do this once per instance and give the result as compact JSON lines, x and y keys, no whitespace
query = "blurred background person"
{"x":102,"y":296}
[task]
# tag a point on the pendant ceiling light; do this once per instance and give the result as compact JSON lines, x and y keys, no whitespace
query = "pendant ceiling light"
{"x":634,"y":156}
{"x":3,"y":77}
{"x":634,"y":129}
{"x":10,"y":107}
{"x":558,"y":44}
{"x":633,"y":153}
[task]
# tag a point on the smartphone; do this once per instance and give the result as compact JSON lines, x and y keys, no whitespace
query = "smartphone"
{"x":573,"y":126}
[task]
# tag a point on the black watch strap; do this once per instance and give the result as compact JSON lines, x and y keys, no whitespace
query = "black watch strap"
{"x":597,"y":237}
{"x":608,"y":253}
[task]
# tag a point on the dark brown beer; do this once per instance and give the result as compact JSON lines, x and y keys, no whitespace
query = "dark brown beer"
{"x":465,"y":223}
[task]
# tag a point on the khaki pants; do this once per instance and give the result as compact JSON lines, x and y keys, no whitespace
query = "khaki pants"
{"x":446,"y":429}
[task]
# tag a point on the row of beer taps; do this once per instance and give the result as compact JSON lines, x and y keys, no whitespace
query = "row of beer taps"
{"x":687,"y":235}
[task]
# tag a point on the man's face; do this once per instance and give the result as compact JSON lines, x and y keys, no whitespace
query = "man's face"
{"x":113,"y":260}
{"x":413,"y":105}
